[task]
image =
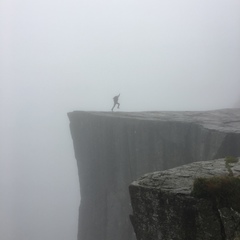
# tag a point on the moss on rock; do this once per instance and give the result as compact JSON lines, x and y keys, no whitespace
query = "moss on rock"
{"x":224,"y":190}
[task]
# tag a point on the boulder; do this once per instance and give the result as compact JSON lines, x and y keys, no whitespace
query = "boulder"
{"x":165,"y":208}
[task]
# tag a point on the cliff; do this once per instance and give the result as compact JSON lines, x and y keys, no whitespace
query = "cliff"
{"x":166,"y":207}
{"x":114,"y":149}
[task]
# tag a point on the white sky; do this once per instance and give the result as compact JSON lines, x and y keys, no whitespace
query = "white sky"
{"x":60,"y":56}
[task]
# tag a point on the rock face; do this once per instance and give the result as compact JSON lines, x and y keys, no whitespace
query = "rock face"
{"x":164,"y":209}
{"x":114,"y":149}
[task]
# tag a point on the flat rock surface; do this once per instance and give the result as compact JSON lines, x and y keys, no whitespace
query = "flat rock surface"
{"x":180,"y":179}
{"x":226,"y":120}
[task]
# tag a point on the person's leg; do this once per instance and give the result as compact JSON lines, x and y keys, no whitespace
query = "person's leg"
{"x":113,"y":106}
{"x":118,"y":105}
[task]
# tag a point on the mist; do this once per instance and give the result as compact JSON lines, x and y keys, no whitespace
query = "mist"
{"x":57,"y":57}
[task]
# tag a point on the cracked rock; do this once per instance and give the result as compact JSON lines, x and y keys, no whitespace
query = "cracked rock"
{"x":164,"y":208}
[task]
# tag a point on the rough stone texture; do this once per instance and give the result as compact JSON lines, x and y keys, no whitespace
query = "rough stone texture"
{"x":114,"y":149}
{"x":163,"y":208}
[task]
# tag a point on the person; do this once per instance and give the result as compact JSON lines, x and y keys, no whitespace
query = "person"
{"x":115,"y":100}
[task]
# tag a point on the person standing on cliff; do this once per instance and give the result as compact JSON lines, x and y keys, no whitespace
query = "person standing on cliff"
{"x":115,"y":100}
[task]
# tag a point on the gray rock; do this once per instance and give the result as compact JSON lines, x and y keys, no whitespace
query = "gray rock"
{"x":164,"y":209}
{"x":114,"y":149}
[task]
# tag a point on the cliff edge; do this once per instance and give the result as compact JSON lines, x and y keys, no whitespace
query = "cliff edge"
{"x":114,"y":149}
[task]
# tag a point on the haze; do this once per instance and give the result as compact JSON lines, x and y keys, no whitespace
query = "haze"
{"x":61,"y":56}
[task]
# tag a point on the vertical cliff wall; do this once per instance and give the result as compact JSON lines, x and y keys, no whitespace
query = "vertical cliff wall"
{"x":113,"y":149}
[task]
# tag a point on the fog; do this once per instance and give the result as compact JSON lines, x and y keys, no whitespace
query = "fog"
{"x":61,"y":56}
